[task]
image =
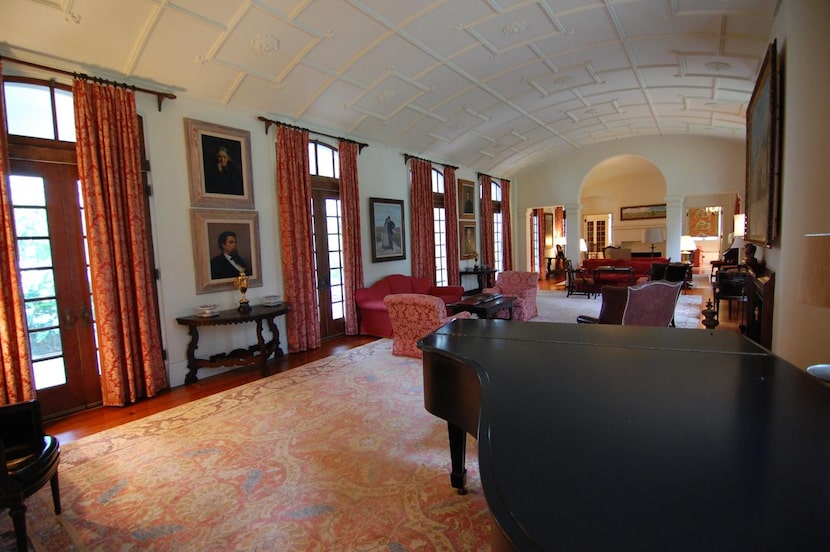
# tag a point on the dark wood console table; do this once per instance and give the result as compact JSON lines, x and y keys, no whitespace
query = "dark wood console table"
{"x":255,"y":354}
{"x":632,"y":438}
{"x":484,"y":276}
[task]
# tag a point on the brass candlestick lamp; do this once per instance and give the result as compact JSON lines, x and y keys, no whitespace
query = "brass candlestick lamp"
{"x":242,"y":284}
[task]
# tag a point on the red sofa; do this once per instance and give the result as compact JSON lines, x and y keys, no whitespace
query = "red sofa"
{"x":372,"y":312}
{"x":641,"y":266}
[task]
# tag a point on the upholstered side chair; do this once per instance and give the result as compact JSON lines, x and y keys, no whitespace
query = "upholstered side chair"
{"x":651,"y":303}
{"x":28,"y":460}
{"x":579,"y":282}
{"x":613,"y":306}
{"x":522,"y":286}
{"x":413,"y":316}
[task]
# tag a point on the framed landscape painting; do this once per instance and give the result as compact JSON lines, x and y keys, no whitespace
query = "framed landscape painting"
{"x":642,"y":212}
{"x":762,"y":154}
{"x":388,"y":238}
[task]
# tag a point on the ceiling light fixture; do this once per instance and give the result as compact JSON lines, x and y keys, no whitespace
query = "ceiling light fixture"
{"x":718,"y":66}
{"x":265,"y":44}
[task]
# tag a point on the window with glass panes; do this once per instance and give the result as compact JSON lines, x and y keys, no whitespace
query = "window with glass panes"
{"x":439,"y":215}
{"x":497,"y":227}
{"x":534,"y":241}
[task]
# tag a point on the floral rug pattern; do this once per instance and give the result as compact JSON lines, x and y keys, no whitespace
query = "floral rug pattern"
{"x":339,"y":454}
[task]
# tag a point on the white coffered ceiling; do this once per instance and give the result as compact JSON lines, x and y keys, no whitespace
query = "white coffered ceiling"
{"x":495,"y":85}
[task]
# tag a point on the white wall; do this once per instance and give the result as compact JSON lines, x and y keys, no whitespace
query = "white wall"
{"x":690,"y":166}
{"x":382,"y":173}
{"x":803,"y":32}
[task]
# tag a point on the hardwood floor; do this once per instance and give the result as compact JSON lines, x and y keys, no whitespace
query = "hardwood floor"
{"x":87,"y":422}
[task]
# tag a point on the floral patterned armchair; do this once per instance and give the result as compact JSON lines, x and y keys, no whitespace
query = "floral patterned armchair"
{"x":413,"y":316}
{"x":522,"y":286}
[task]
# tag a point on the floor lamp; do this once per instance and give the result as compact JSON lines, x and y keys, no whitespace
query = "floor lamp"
{"x":652,"y":236}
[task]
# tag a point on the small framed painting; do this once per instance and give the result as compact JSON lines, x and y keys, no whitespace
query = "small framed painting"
{"x":224,"y":243}
{"x":388,"y":238}
{"x":219,"y":165}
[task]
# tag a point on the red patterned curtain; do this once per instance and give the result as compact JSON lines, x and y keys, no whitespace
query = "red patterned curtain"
{"x":422,"y":236}
{"x":507,"y":233}
{"x":540,"y":238}
{"x":109,"y":166}
{"x":350,"y":212}
{"x":451,"y":216}
{"x":488,"y":253}
{"x":16,"y":382}
{"x":294,"y":197}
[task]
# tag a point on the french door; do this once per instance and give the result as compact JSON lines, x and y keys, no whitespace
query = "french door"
{"x":54,"y":270}
{"x":328,"y":262}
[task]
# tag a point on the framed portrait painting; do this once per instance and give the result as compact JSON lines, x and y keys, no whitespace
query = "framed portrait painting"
{"x":762,"y":154}
{"x":219,"y":165}
{"x":466,"y":200}
{"x":225,"y":242}
{"x":467,"y":234}
{"x":388,"y":239}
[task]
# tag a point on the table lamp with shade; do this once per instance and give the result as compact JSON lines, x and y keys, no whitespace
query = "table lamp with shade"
{"x":583,"y":246}
{"x":687,"y":246}
{"x":652,"y":236}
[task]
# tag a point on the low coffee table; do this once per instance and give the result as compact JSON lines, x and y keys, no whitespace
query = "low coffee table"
{"x":484,"y":306}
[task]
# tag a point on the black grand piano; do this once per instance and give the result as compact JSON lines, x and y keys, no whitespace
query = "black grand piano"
{"x":617,"y":437}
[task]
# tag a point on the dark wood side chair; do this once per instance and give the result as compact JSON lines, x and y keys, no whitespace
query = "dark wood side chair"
{"x":28,"y":460}
{"x":579,"y":283}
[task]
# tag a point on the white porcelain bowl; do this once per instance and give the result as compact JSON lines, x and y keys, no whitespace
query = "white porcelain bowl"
{"x":207,"y":309}
{"x":271,"y":299}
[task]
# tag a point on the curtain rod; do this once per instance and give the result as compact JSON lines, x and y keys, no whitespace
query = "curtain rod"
{"x":269,"y":122}
{"x":480,"y":174}
{"x":160,"y":96}
{"x":407,"y":157}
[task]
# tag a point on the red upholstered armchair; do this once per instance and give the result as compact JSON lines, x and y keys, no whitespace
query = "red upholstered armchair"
{"x":413,"y":316}
{"x":522,"y":286}
{"x":372,"y":311}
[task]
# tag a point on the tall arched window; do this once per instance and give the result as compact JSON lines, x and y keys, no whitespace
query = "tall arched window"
{"x":498,"y":228}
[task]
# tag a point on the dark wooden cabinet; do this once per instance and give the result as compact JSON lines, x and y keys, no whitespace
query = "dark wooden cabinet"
{"x":760,"y":291}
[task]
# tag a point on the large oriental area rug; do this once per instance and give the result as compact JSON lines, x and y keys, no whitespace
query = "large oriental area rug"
{"x":339,"y":454}
{"x":556,"y":306}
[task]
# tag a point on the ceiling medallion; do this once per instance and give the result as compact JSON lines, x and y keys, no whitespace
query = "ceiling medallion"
{"x":265,"y":44}
{"x":718,"y":65}
{"x":386,"y":97}
{"x":514,"y":28}
{"x":563,"y":81}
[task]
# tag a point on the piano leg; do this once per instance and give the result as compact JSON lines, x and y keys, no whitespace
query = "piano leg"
{"x":458,"y":452}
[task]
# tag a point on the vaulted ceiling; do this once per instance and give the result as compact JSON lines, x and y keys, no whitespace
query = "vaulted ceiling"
{"x":495,"y":85}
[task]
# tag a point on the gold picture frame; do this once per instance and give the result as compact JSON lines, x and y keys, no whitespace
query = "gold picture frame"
{"x":208,"y":227}
{"x":763,"y":153}
{"x":466,"y":200}
{"x":467,"y":236}
{"x":219,"y":165}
